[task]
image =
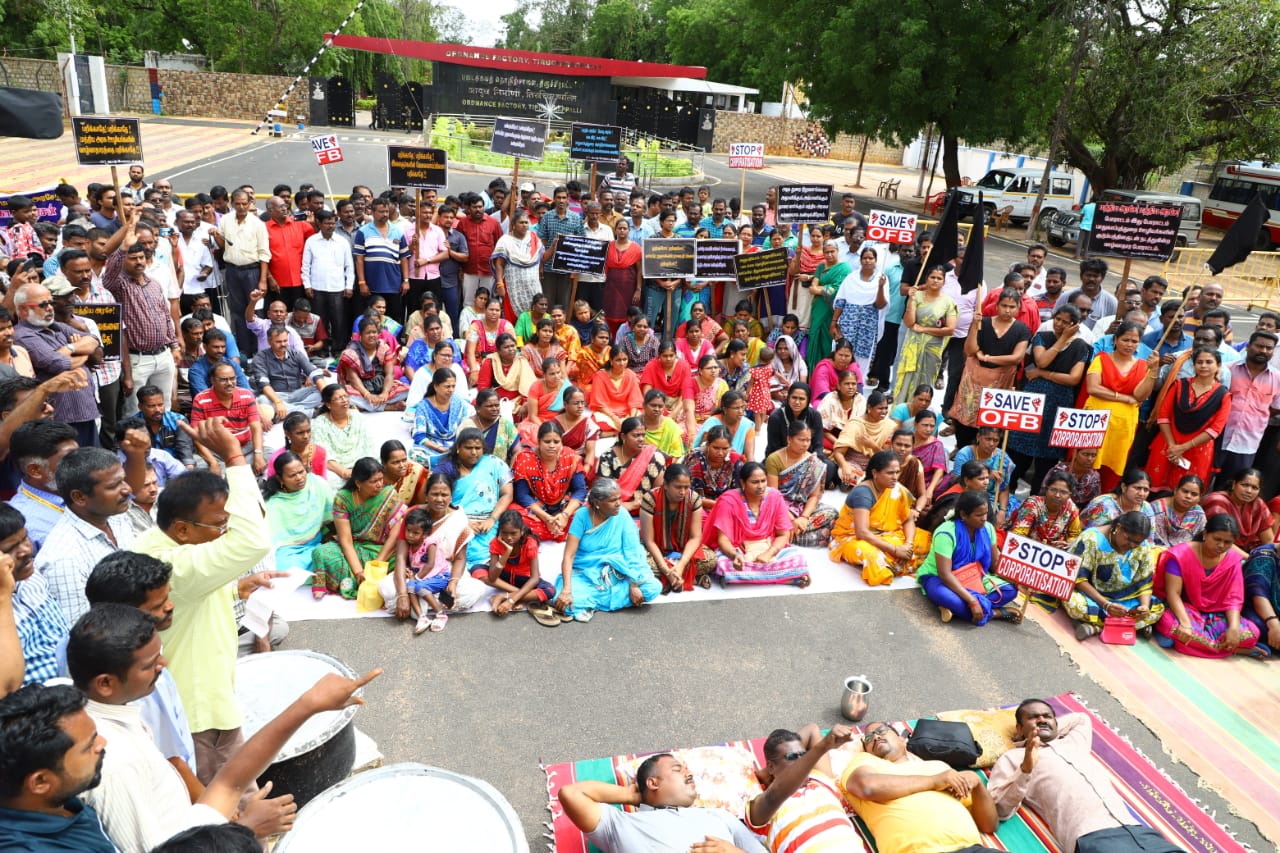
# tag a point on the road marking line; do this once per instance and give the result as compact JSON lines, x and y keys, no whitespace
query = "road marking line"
{"x":219,"y":160}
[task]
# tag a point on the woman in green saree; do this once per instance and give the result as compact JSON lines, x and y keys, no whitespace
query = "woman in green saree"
{"x":367,"y":514}
{"x":823,"y":284}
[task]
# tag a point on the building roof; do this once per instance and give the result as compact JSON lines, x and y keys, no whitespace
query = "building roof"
{"x":684,"y":84}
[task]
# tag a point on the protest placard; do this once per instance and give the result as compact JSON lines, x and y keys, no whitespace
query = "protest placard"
{"x":48,"y":208}
{"x":672,"y":258}
{"x":574,"y":254}
{"x":746,"y":155}
{"x":104,"y":141}
{"x":891,"y":226}
{"x":1079,"y":428}
{"x":762,"y":269}
{"x":420,"y":168}
{"x":1135,"y":229}
{"x":804,"y":204}
{"x":598,"y":143}
{"x":1037,"y":566}
{"x":518,"y":138}
{"x":108,"y":317}
{"x":327,"y":149}
{"x":714,"y":260}
{"x":1020,"y":411}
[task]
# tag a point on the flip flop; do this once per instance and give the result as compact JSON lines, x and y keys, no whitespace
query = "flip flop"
{"x":438,"y":623}
{"x":543,"y":614}
{"x":583,"y":616}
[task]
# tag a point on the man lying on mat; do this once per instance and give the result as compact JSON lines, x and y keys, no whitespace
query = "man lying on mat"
{"x":800,"y":809}
{"x":664,"y":793}
{"x":910,"y":804}
{"x":1056,"y":774}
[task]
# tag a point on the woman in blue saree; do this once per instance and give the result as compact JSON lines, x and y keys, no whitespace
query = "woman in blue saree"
{"x":605,"y":567}
{"x":299,"y":505}
{"x":482,"y":489}
{"x":437,"y":418}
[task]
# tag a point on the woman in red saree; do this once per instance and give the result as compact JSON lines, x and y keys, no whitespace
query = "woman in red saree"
{"x":1243,"y":501}
{"x":545,"y":401}
{"x":621,"y":275}
{"x":549,"y":484}
{"x":671,"y":531}
{"x":615,"y":393}
{"x":669,"y":375}
{"x":1189,"y":417}
{"x":579,"y":428}
{"x":506,"y":372}
{"x":634,"y":463}
{"x":482,"y":336}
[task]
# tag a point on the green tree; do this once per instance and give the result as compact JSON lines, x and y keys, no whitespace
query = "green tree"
{"x":1164,"y":81}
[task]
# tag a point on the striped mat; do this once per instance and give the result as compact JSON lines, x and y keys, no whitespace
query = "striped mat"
{"x":1152,"y":798}
{"x":1219,"y":717}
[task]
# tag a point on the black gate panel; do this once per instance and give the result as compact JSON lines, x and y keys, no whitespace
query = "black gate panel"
{"x":342,"y":102}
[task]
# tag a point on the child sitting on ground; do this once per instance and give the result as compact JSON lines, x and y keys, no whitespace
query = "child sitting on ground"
{"x":426,"y":572}
{"x":759,"y":400}
{"x":513,"y":567}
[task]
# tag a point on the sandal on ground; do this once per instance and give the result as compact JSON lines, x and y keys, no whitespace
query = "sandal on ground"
{"x":583,"y":615}
{"x":1008,"y":614}
{"x":438,"y":623}
{"x":804,"y":581}
{"x":704,"y":581}
{"x":944,"y":614}
{"x":1255,"y":653}
{"x":421,"y":626}
{"x":544,"y":615}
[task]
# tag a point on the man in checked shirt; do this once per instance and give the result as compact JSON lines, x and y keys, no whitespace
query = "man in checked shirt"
{"x":148,"y":322}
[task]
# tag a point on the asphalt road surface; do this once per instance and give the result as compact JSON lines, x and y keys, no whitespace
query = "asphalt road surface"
{"x":494,"y":699}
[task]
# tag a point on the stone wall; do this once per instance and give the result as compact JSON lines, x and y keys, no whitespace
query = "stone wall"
{"x":186,"y":93}
{"x":778,"y":135}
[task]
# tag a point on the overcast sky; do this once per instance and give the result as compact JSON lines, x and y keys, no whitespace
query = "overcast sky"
{"x":483,"y":18}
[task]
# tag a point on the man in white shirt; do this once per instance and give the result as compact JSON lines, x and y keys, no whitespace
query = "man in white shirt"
{"x":167,"y":207}
{"x":197,"y":261}
{"x":591,"y":285}
{"x":328,"y":276}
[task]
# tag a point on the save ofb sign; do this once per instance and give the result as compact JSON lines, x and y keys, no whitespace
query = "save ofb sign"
{"x":888,"y":226}
{"x":1038,"y":567}
{"x":746,"y":155}
{"x":1019,"y":411}
{"x":326,"y":149}
{"x":1077,"y":428}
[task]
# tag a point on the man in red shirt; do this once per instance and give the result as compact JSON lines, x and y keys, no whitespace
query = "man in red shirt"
{"x":239,"y":410}
{"x":287,"y":237}
{"x":1028,"y":312}
{"x":482,"y":233}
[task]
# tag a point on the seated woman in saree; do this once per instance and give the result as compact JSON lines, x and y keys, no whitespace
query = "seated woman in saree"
{"x":862,"y":437}
{"x":543,"y":346}
{"x":1202,"y":585}
{"x":693,"y":347}
{"x":1080,"y":466}
{"x":341,"y":430}
{"x":376,"y":308}
{"x":659,"y":429}
{"x":876,"y":529}
{"x":710,"y":329}
{"x":1243,"y":501}
{"x":517,"y":258}
{"x":1116,"y":576}
{"x":580,"y":428}
{"x":670,"y":375}
{"x":593,"y":356}
{"x":640,"y":343}
{"x":549,"y":484}
{"x":366,"y":516}
{"x":911,"y":475}
{"x":367,"y":367}
{"x":702,"y":394}
{"x":482,"y":335}
{"x":500,"y":435}
{"x":1052,"y":518}
{"x":732,"y":415}
{"x":713,"y":469}
{"x":928,"y":448}
{"x":799,"y":474}
{"x":1130,"y":496}
{"x":297,"y":439}
{"x":431,"y":560}
{"x":299,"y":508}
{"x":957,"y":575}
{"x":671,"y":520}
{"x":906,"y":413}
{"x":438,"y":417}
{"x":826,"y":376}
{"x":506,"y":372}
{"x":929,"y":318}
{"x":545,"y":401}
{"x":482,"y":488}
{"x":753,"y":532}
{"x":615,"y":393}
{"x":974,"y":477}
{"x":986,"y":450}
{"x":994,"y":349}
{"x":1190,"y":417}
{"x":795,"y":407}
{"x":528,"y":322}
{"x":1262,"y":597}
{"x":635,"y":464}
{"x":839,"y":407}
{"x":407,"y":477}
{"x":1179,"y":518}
{"x":604,"y":565}
{"x":735,"y":370}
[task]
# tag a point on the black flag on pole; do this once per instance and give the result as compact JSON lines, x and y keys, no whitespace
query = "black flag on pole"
{"x":30,"y":114}
{"x":1241,"y":237}
{"x":971,"y":272}
{"x":946,"y":236}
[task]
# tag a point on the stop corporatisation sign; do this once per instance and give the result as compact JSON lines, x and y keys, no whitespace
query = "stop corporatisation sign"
{"x":1037,"y":566}
{"x":890,"y":226}
{"x":1077,"y":428}
{"x":327,"y":149}
{"x":1020,"y":411}
{"x":746,"y":155}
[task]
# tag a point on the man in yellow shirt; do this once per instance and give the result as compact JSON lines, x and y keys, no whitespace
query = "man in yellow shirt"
{"x":912,"y":805}
{"x":211,"y":532}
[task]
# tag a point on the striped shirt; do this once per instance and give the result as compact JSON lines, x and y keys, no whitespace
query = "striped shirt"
{"x":148,"y":322}
{"x":812,"y":819}
{"x":238,"y":416}
{"x":551,"y":226}
{"x":41,"y":628}
{"x":73,"y":548}
{"x":382,"y":256}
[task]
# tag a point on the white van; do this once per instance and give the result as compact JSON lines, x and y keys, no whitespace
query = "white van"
{"x":1018,"y":188}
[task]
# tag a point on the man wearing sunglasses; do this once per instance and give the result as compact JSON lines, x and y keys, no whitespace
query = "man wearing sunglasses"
{"x":1055,"y":773}
{"x":912,"y":804}
{"x":801,"y":799}
{"x":55,"y":348}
